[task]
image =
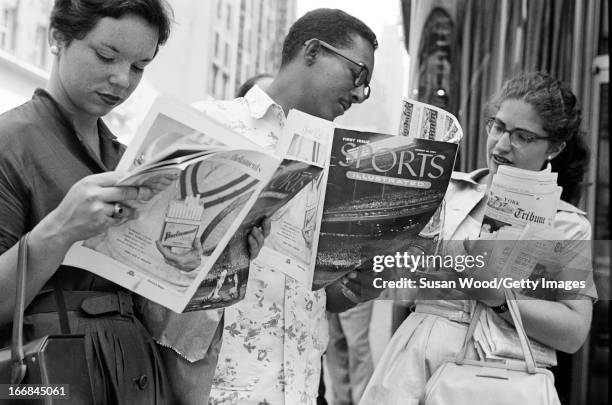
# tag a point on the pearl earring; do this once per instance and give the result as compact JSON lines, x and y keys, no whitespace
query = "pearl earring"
{"x":54,"y":49}
{"x":549,"y":166}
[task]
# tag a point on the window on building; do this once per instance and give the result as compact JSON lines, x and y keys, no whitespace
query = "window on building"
{"x":219,"y":8}
{"x":216,"y":44}
{"x":228,"y":17}
{"x":241,"y":25}
{"x":40,"y":46}
{"x":226,"y":90}
{"x":213,"y":79}
{"x":238,"y":63}
{"x":7,"y":26}
{"x":226,"y":54}
{"x":269,"y":28}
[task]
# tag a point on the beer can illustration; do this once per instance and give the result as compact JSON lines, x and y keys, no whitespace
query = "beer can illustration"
{"x":182,"y":223}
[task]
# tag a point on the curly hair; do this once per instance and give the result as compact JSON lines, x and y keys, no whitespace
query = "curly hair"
{"x":74,"y":19}
{"x":330,"y":25}
{"x":560,"y":112}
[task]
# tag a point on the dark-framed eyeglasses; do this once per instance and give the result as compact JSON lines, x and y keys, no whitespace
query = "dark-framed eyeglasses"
{"x":519,"y":138}
{"x":360,"y":78}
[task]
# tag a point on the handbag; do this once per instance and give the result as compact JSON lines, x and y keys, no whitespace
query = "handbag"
{"x":56,"y":363}
{"x":462,"y":381}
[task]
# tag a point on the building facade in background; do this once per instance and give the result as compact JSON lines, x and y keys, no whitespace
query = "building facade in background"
{"x":26,"y":41}
{"x":216,"y":45}
{"x":247,"y":40}
{"x":24,"y":53}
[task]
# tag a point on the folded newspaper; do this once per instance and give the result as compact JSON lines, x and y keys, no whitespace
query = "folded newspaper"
{"x":518,"y":197}
{"x":497,"y":339}
{"x":187,"y":249}
{"x":520,"y":212}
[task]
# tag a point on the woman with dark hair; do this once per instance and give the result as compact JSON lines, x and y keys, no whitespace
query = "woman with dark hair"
{"x":534,"y":121}
{"x":560,"y":114}
{"x":54,"y":151}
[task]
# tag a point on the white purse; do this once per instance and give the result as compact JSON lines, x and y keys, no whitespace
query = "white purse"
{"x":461,"y":381}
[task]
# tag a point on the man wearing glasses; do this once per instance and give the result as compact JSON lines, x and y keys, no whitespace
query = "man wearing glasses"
{"x":273,"y":340}
{"x":322,"y":79}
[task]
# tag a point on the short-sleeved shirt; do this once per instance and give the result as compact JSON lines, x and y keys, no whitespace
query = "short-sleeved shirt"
{"x":41,"y":157}
{"x":274,"y":338}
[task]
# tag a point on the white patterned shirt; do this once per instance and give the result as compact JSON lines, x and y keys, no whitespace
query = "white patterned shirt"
{"x":273,"y":340}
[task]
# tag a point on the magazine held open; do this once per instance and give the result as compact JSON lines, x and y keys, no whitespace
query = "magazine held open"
{"x":366,"y":194}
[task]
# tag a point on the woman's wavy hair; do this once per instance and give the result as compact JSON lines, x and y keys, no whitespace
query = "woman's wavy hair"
{"x":74,"y":19}
{"x":560,"y":112}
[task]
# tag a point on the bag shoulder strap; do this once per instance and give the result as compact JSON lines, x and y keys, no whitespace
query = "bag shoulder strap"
{"x":518,"y":324}
{"x":18,"y":366}
{"x":520,"y":329}
{"x":470,"y":332}
{"x":61,"y":307}
{"x":478,"y":174}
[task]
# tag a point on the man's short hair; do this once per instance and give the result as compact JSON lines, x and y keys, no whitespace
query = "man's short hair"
{"x":330,"y":25}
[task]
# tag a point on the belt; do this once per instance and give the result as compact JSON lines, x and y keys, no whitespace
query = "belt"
{"x":92,"y":303}
{"x":452,"y":314}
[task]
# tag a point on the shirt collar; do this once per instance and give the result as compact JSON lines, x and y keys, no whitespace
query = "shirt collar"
{"x":565,"y":206}
{"x":43,"y":96}
{"x":260,"y":102}
{"x":102,"y":128}
{"x":471,"y":177}
{"x":110,"y":147}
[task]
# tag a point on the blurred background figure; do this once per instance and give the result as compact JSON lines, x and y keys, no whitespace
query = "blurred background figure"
{"x":349,"y":358}
{"x":262,"y":80}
